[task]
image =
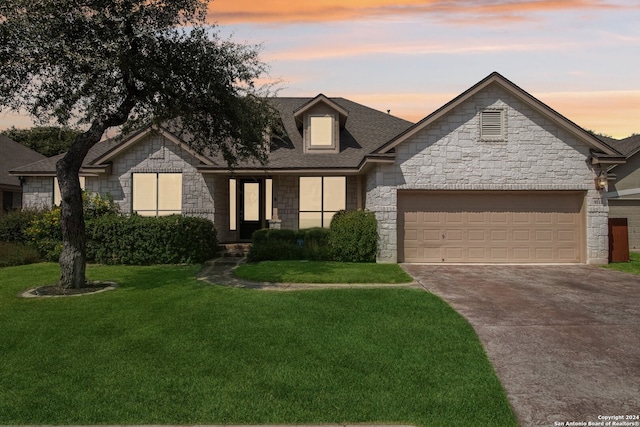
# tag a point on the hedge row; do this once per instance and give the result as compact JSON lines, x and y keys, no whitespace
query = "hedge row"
{"x":352,"y":237}
{"x":137,"y":240}
{"x":116,"y":239}
{"x":276,"y":245}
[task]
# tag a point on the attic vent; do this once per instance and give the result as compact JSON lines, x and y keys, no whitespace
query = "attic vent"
{"x":492,"y":124}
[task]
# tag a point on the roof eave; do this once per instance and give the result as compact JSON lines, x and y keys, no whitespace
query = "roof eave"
{"x":216,"y":170}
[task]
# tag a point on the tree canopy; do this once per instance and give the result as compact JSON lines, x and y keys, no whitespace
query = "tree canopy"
{"x":72,"y":62}
{"x":128,"y":63}
{"x":46,"y":140}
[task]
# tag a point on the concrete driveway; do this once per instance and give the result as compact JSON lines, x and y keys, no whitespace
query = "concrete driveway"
{"x":564,"y":340}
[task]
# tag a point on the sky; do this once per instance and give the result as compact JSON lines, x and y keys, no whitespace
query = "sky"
{"x":580,"y":57}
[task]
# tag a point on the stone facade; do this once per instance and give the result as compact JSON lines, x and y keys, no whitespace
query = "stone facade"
{"x":449,"y":155}
{"x":535,"y":153}
{"x":153,"y":154}
{"x":37,"y":192}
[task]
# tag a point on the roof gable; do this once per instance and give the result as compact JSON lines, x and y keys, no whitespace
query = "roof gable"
{"x":135,"y":138}
{"x":516,"y":91}
{"x":299,"y":113}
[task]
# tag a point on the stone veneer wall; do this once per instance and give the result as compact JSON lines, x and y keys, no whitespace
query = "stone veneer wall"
{"x":449,"y":155}
{"x":37,"y":192}
{"x":156,"y":154}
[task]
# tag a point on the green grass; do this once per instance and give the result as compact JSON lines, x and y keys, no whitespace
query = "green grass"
{"x":322,"y":272}
{"x":632,"y":266}
{"x":165,"y":348}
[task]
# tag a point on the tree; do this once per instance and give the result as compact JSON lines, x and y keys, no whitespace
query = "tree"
{"x":46,"y":140}
{"x":128,"y":63}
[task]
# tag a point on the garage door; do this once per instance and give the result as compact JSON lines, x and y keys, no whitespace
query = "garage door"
{"x":491,"y":227}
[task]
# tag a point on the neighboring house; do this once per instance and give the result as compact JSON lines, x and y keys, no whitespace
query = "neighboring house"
{"x":12,"y":155}
{"x":493,"y":176}
{"x":624,"y":192}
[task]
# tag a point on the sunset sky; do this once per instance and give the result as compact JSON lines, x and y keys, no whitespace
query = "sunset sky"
{"x":581,"y":57}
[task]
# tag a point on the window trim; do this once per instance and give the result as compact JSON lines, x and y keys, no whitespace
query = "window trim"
{"x":322,"y":210}
{"x":157,"y":211}
{"x":309,"y":147}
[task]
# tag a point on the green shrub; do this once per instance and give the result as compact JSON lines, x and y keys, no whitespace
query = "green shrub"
{"x":17,"y":254}
{"x":13,"y":225}
{"x":354,"y":236}
{"x":315,"y":244}
{"x":95,"y":205}
{"x":279,"y":245}
{"x":273,"y":245}
{"x":138,"y":240}
{"x":45,"y":235}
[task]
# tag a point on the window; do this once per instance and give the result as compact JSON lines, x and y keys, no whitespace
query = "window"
{"x":321,"y":134}
{"x":157,"y":194}
{"x":57,"y":197}
{"x":492,"y":125}
{"x":320,"y":199}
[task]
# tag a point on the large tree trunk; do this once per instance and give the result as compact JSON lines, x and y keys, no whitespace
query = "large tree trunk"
{"x":73,"y":259}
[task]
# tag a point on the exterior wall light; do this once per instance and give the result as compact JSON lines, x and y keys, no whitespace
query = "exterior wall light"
{"x":601,"y":181}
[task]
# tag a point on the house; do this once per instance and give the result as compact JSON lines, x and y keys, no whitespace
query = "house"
{"x":12,"y":155}
{"x":624,"y":193}
{"x":493,"y":176}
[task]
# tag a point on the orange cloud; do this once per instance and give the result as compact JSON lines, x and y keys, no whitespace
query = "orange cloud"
{"x":285,"y":11}
{"x":335,"y":50}
{"x":615,"y":113}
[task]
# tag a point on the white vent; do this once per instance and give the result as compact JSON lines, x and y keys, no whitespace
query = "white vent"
{"x":491,"y":124}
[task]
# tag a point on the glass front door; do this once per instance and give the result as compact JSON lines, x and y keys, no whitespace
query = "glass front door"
{"x":251,"y":204}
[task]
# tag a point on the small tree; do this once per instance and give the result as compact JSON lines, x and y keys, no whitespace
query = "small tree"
{"x":128,"y":63}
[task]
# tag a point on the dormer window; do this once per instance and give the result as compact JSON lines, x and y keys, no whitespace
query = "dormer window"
{"x":321,"y":131}
{"x":320,"y":121}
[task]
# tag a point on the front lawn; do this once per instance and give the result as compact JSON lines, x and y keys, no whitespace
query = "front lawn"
{"x":322,"y":272}
{"x":165,"y":348}
{"x":632,"y":266}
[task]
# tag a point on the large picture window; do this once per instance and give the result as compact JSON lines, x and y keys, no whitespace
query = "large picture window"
{"x":320,"y":199}
{"x":157,"y":194}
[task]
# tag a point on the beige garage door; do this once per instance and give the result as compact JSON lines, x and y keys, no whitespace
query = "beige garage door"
{"x":490,"y":227}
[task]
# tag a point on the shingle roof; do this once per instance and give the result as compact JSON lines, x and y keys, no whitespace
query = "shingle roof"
{"x":628,"y":146}
{"x":365,"y":130}
{"x":48,"y":164}
{"x":13,"y":154}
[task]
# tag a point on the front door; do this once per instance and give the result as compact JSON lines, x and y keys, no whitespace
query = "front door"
{"x":251,"y":204}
